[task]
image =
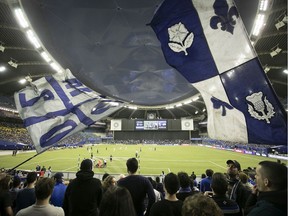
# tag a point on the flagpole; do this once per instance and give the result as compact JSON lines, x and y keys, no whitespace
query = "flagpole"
{"x":10,"y":170}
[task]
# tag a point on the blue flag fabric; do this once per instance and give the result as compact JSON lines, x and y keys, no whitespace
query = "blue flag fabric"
{"x":55,"y":107}
{"x":207,"y":43}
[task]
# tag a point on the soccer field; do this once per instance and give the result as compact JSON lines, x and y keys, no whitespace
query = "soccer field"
{"x":153,"y":159}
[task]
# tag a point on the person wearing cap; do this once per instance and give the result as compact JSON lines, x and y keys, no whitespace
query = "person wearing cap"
{"x":57,"y":196}
{"x":84,"y":193}
{"x":236,"y":191}
{"x":269,"y":196}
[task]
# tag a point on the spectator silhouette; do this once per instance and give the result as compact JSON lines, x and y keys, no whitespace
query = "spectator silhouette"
{"x":193,"y":180}
{"x":105,"y":175}
{"x":43,"y":191}
{"x":269,"y":197}
{"x":158,"y":195}
{"x":200,"y":204}
{"x":244,"y":179}
{"x":185,"y":189}
{"x":109,"y":181}
{"x":26,"y":196}
{"x":14,"y":191}
{"x":159,"y":186}
{"x":206,"y":182}
{"x":203,"y":176}
{"x":5,"y":197}
{"x":219,"y":187}
{"x":83,"y":194}
{"x":57,"y":196}
{"x":139,"y":187}
{"x":170,"y":206}
{"x":117,"y":201}
{"x":236,"y":191}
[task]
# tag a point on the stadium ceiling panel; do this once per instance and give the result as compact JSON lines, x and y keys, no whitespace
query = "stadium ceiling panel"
{"x":109,"y":47}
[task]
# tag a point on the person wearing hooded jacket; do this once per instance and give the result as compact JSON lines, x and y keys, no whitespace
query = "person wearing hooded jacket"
{"x":83,"y":194}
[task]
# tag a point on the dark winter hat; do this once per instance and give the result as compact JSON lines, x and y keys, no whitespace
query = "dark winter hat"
{"x":235,"y":163}
{"x":86,"y":165}
{"x":58,"y":176}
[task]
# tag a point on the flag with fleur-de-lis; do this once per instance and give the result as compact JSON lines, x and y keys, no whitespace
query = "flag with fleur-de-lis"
{"x":207,"y":43}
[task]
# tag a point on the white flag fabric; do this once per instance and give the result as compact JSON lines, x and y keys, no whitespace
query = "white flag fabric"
{"x":55,"y":107}
{"x":116,"y":125}
{"x":205,"y":40}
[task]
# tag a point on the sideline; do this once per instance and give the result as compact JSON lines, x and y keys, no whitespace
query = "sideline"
{"x":9,"y":152}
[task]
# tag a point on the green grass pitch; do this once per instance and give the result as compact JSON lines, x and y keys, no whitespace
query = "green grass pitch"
{"x":152,"y":162}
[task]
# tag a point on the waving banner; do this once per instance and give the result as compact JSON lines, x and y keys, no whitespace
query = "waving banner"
{"x":207,"y":43}
{"x":55,"y":107}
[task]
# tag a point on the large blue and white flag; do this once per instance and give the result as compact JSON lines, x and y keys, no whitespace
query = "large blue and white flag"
{"x":55,"y":107}
{"x":205,"y":40}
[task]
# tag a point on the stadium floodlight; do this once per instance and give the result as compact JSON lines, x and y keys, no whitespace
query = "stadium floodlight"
{"x":280,"y":23}
{"x":33,"y":39}
{"x":266,"y":69}
{"x":2,"y":48}
{"x":21,"y":18}
{"x":45,"y":56}
{"x":275,"y":51}
{"x":13,"y":63}
{"x":22,"y":81}
{"x":56,"y":67}
{"x":2,"y":68}
{"x":29,"y":79}
{"x":169,"y":107}
{"x":263,"y":5}
{"x":258,"y":24}
{"x":132,"y":107}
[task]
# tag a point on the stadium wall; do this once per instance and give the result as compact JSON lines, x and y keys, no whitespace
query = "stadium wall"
{"x":151,"y":135}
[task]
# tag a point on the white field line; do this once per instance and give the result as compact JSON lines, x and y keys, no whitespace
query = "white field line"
{"x":169,"y":170}
{"x":218,"y":165}
{"x":245,"y":156}
{"x":188,"y":161}
{"x":70,"y":168}
{"x":41,"y":162}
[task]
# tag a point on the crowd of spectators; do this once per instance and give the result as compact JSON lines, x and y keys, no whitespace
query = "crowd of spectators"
{"x":14,"y":133}
{"x":135,"y":195}
{"x":158,"y":142}
{"x":6,"y":114}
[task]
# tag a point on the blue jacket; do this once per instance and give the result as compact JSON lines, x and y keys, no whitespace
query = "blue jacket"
{"x":57,"y":196}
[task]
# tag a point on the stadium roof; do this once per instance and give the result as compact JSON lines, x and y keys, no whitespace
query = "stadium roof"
{"x":107,"y":45}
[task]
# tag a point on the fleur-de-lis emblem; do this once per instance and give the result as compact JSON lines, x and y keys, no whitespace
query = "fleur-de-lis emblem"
{"x":259,"y":109}
{"x":226,"y":16}
{"x":180,"y":38}
{"x":217,"y":104}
